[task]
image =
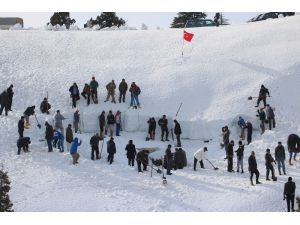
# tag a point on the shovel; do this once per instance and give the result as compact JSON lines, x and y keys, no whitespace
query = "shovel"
{"x":215,"y":168}
{"x":38,"y":124}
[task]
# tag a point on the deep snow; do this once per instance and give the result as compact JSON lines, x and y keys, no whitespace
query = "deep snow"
{"x":220,"y":69}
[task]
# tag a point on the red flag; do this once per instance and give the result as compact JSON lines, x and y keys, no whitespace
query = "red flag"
{"x":188,"y":36}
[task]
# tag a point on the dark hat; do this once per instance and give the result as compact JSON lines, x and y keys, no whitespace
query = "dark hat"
{"x":111,"y":138}
{"x":57,"y":111}
{"x":22,"y":117}
{"x":205,"y":149}
{"x":130,"y":141}
{"x":45,"y":99}
{"x":268,"y":150}
{"x":169,"y":146}
{"x":279,"y":142}
{"x":69,"y":125}
{"x":290,"y":179}
{"x":240,"y":142}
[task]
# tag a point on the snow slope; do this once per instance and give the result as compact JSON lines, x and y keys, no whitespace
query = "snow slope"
{"x":219,"y":70}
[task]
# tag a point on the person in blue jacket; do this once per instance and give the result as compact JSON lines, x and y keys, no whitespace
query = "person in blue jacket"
{"x":73,"y":151}
{"x":59,"y":137}
{"x":242,"y":125}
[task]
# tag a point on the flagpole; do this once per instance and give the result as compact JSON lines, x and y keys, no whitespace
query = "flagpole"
{"x":183,"y":38}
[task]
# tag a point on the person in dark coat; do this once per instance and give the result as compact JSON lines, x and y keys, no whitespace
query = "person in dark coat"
{"x":76,"y":121}
{"x":101,"y":119}
{"x":21,"y":127}
{"x":249,"y":132}
{"x":262,"y":95}
{"x":94,"y":86}
{"x":169,"y":159}
{"x":177,"y":132}
{"x":226,"y":137}
{"x":110,"y":123}
{"x":135,"y":92}
{"x":94,"y":142}
{"x":269,"y":167}
{"x":29,"y":112}
{"x":131,"y":152}
{"x":45,"y":106}
{"x":122,"y":88}
{"x":240,"y":157}
{"x":270,"y":117}
{"x":289,"y":194}
{"x":74,"y":94}
{"x":86,"y":93}
{"x":49,"y":136}
{"x":24,"y":143}
{"x":293,"y":143}
{"x":262,"y":118}
{"x":10,"y":96}
{"x":4,"y":101}
{"x":230,"y":156}
{"x":280,"y":157}
{"x":142,"y":158}
{"x":151,"y":128}
{"x":163,"y":123}
{"x":180,"y":160}
{"x":253,"y":168}
{"x":69,"y":137}
{"x":111,"y":150}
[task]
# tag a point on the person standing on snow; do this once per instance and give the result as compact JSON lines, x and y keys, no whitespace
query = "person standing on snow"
{"x":94,"y":142}
{"x":169,"y":159}
{"x":163,"y":123}
{"x":269,"y":167}
{"x":199,"y":155}
{"x":226,"y":136}
{"x":262,"y":118}
{"x":21,"y":127}
{"x":270,"y":116}
{"x":280,"y":157}
{"x":111,"y":150}
{"x":49,"y":136}
{"x":58,"y":121}
{"x":131,"y":153}
{"x":262,"y":95}
{"x":86,"y":93}
{"x":94,"y":86}
{"x":177,"y":131}
{"x":101,"y":119}
{"x":76,"y":121}
{"x":110,"y":123}
{"x":289,"y":194}
{"x":240,"y":157}
{"x":151,"y":128}
{"x":111,"y":87}
{"x":10,"y":96}
{"x":253,"y":168}
{"x":242,"y":125}
{"x":180,"y":158}
{"x":249,"y":132}
{"x":28,"y":112}
{"x":122,"y":88}
{"x":135,"y":92}
{"x":118,"y":122}
{"x":74,"y":94}
{"x":4,"y":101}
{"x":59,"y":137}
{"x":74,"y":150}
{"x":230,"y":156}
{"x":69,"y":137}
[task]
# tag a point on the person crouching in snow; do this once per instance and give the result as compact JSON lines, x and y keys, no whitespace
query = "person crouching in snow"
{"x":142,"y":158}
{"x":73,"y":151}
{"x":199,"y":155}
{"x":28,"y":112}
{"x":24,"y":143}
{"x":45,"y":106}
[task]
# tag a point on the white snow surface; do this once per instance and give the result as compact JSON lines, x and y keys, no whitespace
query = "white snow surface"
{"x":219,"y":70}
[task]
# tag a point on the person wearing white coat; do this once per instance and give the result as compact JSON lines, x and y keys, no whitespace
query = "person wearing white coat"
{"x":199,"y":155}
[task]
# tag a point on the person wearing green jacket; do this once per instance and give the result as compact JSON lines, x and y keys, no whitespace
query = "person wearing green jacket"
{"x":94,"y":86}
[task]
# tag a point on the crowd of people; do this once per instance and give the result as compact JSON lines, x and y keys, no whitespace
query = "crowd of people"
{"x":56,"y":134}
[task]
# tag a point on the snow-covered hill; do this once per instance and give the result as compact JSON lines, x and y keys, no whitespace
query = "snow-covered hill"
{"x":220,"y":69}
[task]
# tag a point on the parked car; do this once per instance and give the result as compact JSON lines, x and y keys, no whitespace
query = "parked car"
{"x":201,"y":23}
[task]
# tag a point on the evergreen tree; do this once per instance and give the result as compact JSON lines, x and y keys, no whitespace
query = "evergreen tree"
{"x":183,"y":17}
{"x":5,"y":203}
{"x":106,"y":19}
{"x":62,"y":18}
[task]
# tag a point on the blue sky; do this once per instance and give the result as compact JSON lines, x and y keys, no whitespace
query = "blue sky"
{"x":134,"y":19}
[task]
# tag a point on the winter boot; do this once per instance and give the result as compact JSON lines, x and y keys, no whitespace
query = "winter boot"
{"x":238,"y":170}
{"x":242,"y":171}
{"x":257,"y":182}
{"x":290,"y":162}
